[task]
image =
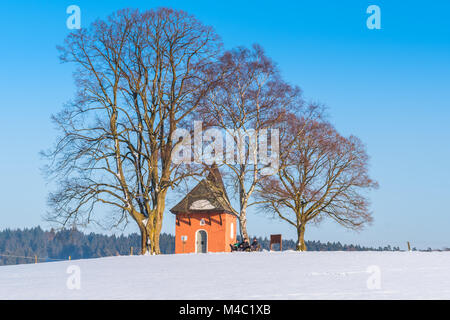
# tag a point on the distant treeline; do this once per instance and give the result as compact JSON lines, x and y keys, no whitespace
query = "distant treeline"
{"x":319,"y":246}
{"x":21,"y":246}
{"x":15,"y":245}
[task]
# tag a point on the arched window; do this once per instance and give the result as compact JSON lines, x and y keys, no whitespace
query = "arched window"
{"x":202,"y":222}
{"x":232,"y":230}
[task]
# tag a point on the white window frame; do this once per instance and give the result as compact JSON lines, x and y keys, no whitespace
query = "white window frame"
{"x":232,"y":231}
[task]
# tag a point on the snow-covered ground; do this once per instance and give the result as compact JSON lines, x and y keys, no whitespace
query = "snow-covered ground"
{"x":264,"y":275}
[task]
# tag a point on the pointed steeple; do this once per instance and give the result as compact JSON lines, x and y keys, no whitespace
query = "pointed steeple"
{"x":215,"y":176}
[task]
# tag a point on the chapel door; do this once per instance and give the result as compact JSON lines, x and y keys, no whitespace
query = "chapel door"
{"x":202,"y":241}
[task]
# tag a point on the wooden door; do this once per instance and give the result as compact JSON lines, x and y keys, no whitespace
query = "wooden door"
{"x":202,"y":241}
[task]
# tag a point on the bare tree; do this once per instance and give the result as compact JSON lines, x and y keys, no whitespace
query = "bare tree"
{"x":250,"y":100}
{"x":322,"y":174}
{"x":140,"y":75}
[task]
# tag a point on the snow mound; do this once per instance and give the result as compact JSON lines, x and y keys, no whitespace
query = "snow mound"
{"x":241,"y":275}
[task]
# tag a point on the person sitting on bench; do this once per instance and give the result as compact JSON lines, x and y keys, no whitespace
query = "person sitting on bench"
{"x":244,"y":245}
{"x":255,"y":246}
{"x":234,"y":247}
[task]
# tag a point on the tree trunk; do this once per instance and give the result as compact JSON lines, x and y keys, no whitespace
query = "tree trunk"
{"x":154,"y":225}
{"x":243,"y":226}
{"x":159,"y":220}
{"x":155,"y":239}
{"x":144,"y":240}
{"x":152,"y":234}
{"x":301,"y":246}
{"x":242,"y":207}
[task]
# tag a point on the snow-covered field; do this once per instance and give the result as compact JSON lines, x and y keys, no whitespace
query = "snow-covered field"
{"x":264,"y":275}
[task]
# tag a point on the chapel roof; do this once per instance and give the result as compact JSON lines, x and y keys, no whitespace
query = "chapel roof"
{"x":208,"y":195}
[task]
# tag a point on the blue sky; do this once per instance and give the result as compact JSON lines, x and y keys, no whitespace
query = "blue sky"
{"x":390,"y":87}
